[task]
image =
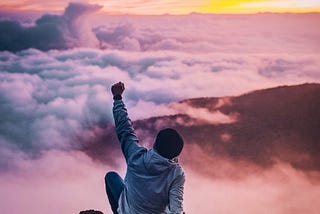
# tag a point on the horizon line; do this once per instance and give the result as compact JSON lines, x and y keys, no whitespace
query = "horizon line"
{"x":165,"y":14}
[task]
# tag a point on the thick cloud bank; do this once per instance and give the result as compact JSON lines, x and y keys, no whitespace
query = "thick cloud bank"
{"x":199,"y":33}
{"x":49,"y":100}
{"x":50,"y":31}
{"x":81,"y":26}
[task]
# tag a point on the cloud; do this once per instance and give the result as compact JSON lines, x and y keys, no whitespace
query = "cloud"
{"x":203,"y":115}
{"x":216,"y":182}
{"x":70,"y":182}
{"x":73,"y":182}
{"x":199,"y":33}
{"x":48,"y":98}
{"x":50,"y":31}
{"x":118,"y":37}
{"x":281,"y":189}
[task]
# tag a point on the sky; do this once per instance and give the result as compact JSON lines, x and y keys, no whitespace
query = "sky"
{"x":153,"y":7}
{"x":55,"y":77}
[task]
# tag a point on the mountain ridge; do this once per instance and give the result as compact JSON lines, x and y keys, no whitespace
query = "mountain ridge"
{"x":267,"y":126}
{"x":276,"y":123}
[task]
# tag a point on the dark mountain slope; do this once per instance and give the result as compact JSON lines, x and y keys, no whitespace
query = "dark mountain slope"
{"x":280,"y":123}
{"x":265,"y":127}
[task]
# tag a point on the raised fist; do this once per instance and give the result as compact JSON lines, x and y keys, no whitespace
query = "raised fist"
{"x":117,"y":89}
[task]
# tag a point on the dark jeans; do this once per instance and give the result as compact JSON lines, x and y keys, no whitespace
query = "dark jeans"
{"x":114,"y":187}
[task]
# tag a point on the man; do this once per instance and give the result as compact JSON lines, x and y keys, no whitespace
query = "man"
{"x":154,"y":181}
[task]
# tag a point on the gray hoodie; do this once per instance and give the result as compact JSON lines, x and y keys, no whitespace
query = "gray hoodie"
{"x":153,"y":184}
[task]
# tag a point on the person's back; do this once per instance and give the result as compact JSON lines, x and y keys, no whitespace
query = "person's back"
{"x":154,"y":181}
{"x":148,"y":181}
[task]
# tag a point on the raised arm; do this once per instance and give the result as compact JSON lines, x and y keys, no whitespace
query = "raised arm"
{"x":124,"y":129}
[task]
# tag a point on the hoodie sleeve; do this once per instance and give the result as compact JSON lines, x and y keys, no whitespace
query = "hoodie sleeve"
{"x":125,"y":131}
{"x":176,"y":196}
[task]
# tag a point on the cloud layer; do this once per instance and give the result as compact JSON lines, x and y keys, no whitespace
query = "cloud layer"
{"x":47,"y":97}
{"x":284,"y":33}
{"x":80,"y":26}
{"x":50,"y":31}
{"x":73,"y":182}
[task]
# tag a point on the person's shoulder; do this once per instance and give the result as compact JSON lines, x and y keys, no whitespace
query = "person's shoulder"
{"x":137,"y":154}
{"x":176,"y":163}
{"x":179,"y":174}
{"x":178,"y":170}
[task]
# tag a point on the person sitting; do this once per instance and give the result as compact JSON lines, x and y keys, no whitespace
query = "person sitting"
{"x":154,"y":181}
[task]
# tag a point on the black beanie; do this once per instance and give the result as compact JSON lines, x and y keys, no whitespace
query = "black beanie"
{"x":168,"y":143}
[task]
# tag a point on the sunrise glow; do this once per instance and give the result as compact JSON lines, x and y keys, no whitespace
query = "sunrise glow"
{"x":157,"y":7}
{"x":254,"y":6}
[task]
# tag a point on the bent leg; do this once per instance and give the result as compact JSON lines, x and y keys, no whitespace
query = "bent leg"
{"x":114,"y":187}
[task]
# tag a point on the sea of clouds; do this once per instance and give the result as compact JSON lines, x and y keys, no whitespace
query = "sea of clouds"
{"x":55,"y":78}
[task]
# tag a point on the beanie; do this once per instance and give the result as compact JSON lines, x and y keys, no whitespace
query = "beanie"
{"x":168,"y":143}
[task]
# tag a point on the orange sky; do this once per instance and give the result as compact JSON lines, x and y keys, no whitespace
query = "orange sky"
{"x":173,"y":6}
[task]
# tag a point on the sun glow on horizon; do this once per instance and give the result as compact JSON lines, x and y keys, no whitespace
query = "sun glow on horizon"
{"x":256,"y":6}
{"x":157,"y":7}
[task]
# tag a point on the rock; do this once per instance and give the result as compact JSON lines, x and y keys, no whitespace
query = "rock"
{"x":91,"y":212}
